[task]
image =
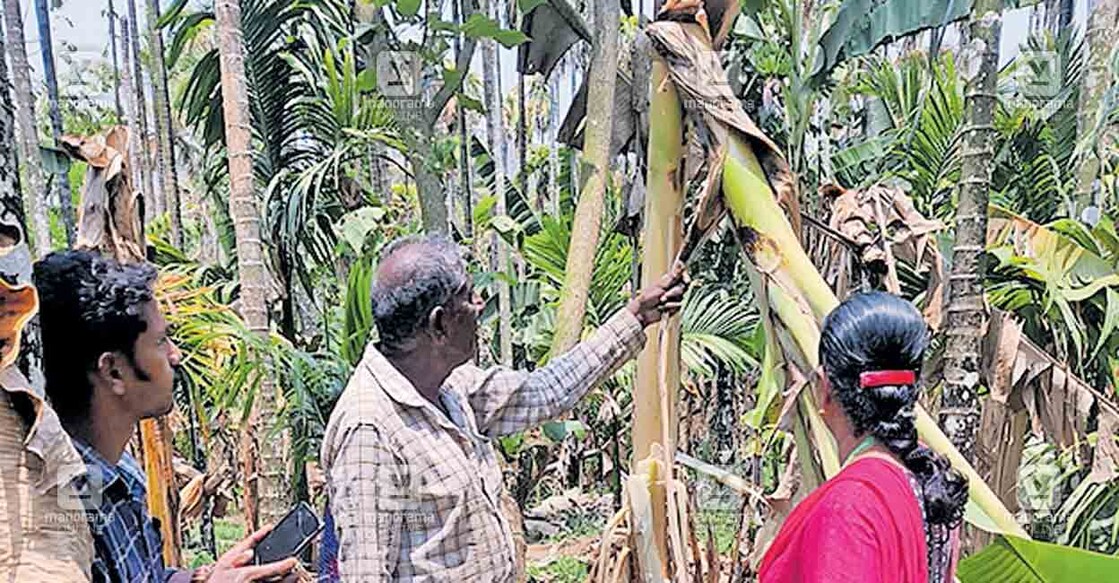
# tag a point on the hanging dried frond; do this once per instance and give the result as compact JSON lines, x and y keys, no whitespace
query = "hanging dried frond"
{"x":110,"y":219}
{"x":872,"y":217}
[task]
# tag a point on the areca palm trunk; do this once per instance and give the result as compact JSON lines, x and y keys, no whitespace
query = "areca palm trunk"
{"x":966,"y":314}
{"x":35,"y":195}
{"x":164,"y":126}
{"x":119,"y":107}
{"x":495,"y":133}
{"x":62,"y":186}
{"x":1102,"y":36}
{"x":264,"y":489}
{"x":594,"y":175}
{"x":152,"y":200}
{"x":140,"y":177}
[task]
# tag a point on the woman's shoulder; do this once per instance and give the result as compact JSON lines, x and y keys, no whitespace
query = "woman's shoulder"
{"x":866,"y":486}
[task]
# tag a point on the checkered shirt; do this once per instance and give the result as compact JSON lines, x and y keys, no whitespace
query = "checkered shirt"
{"x":127,"y":543}
{"x":415,"y":493}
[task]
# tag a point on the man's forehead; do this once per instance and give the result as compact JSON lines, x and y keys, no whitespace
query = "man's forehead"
{"x":154,"y":318}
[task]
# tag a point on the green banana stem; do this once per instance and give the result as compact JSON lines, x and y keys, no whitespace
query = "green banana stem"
{"x":800,"y":298}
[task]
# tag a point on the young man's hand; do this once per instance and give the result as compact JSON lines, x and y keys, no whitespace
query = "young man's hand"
{"x":235,"y":565}
{"x":660,"y":298}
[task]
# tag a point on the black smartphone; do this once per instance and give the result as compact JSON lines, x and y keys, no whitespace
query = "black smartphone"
{"x":289,"y":537}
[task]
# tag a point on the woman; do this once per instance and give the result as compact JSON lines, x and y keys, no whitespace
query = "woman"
{"x":891,"y":513}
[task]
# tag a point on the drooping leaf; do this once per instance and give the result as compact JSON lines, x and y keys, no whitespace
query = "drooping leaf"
{"x":479,"y":26}
{"x":861,"y":25}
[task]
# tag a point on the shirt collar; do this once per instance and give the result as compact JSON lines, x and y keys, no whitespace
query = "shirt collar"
{"x":401,"y":390}
{"x":101,"y":474}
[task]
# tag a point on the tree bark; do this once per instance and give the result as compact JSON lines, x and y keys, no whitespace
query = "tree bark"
{"x":265,"y":484}
{"x":35,"y":196}
{"x":151,"y":198}
{"x":164,"y":126}
{"x":15,"y":263}
{"x":140,"y":178}
{"x":595,"y":173}
{"x":966,"y":314}
{"x":495,"y":134}
{"x":119,"y":107}
{"x":66,"y":201}
{"x":1102,"y":36}
{"x":465,"y":161}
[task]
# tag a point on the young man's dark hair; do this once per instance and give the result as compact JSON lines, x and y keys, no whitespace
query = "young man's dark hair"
{"x":89,"y":306}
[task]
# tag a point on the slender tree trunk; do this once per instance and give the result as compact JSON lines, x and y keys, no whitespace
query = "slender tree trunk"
{"x":265,"y":484}
{"x":959,"y":410}
{"x":66,"y":202}
{"x":522,"y":134}
{"x":1102,"y":36}
{"x":119,"y":108}
{"x":15,"y":265}
{"x":463,"y":138}
{"x":151,"y":195}
{"x":596,"y":170}
{"x":35,"y":196}
{"x":495,"y":133}
{"x":552,"y":196}
{"x":140,"y":176}
{"x":164,"y":126}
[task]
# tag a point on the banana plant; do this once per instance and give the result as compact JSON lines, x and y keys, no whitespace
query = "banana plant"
{"x":749,"y":178}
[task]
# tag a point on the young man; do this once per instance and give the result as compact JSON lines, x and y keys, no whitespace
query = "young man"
{"x":109,"y":363}
{"x":414,"y":481}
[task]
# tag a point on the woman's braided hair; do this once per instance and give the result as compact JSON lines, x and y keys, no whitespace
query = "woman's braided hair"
{"x":874,"y":332}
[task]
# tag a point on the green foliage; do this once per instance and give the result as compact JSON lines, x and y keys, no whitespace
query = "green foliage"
{"x":862,"y":25}
{"x":1018,"y":560}
{"x":561,"y":570}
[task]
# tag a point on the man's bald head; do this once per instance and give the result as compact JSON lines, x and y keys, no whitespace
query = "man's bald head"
{"x":414,"y":276}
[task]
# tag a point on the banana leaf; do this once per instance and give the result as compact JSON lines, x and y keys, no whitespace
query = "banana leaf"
{"x":1016,"y":560}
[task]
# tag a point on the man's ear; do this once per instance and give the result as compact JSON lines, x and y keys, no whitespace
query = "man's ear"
{"x":437,"y":322}
{"x":109,"y":370}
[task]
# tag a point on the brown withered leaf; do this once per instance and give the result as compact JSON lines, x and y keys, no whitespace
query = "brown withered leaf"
{"x":1060,"y":404}
{"x":695,"y":69}
{"x":857,"y":216}
{"x":110,"y":217}
{"x":18,"y":304}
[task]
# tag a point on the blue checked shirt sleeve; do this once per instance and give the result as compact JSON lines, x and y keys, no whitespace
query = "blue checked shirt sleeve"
{"x":507,"y":401}
{"x":366,"y":482}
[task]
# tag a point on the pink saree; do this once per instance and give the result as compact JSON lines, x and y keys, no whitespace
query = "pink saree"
{"x":864,"y":525}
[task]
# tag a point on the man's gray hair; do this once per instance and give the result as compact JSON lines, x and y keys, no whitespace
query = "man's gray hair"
{"x":429,"y":280}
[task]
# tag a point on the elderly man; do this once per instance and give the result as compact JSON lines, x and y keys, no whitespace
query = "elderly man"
{"x":414,"y":482}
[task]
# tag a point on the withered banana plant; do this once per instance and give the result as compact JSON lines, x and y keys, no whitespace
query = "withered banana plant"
{"x":748,"y":178}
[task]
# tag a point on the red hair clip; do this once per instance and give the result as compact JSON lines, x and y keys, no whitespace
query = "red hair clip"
{"x":883,"y":378}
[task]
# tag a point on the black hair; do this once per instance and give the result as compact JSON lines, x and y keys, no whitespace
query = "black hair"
{"x":88,"y":305}
{"x":878,"y":331}
{"x":430,"y":280}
